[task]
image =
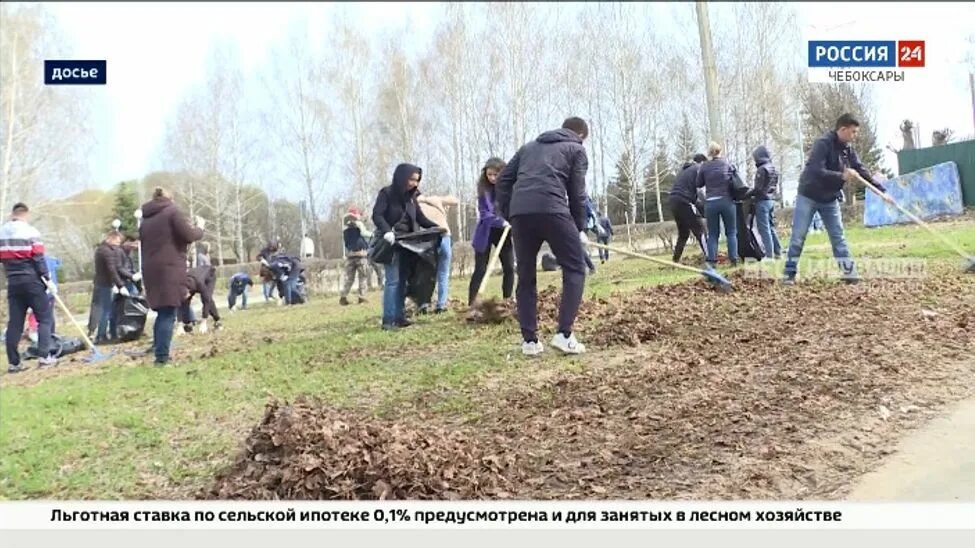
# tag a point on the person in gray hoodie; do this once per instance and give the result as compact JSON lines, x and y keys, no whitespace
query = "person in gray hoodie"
{"x":763,"y":196}
{"x":542,"y":193}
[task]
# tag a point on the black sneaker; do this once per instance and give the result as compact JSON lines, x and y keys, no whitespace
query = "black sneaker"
{"x":161,"y":362}
{"x":363,"y":300}
{"x":404,"y":323}
{"x":11,"y":369}
{"x":851,"y":280}
{"x":187,"y":328}
{"x":343,"y":301}
{"x":440,"y":311}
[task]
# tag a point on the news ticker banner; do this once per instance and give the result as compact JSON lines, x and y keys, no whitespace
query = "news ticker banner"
{"x":514,"y":515}
{"x":881,"y":61}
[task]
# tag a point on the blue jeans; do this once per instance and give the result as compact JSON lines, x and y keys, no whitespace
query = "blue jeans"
{"x":766,"y":228}
{"x":443,"y":271}
{"x":832,"y":217}
{"x":723,"y":210}
{"x":101,"y":302}
{"x":162,"y":332}
{"x":268,"y":290}
{"x":603,"y":253}
{"x":394,"y":293}
{"x":232,"y":298}
{"x":290,"y":288}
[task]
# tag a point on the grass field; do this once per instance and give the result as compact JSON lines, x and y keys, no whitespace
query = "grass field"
{"x":124,"y":429}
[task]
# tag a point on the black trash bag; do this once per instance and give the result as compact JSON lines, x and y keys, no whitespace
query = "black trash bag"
{"x":130,"y":316}
{"x":738,"y":189}
{"x":60,"y":346}
{"x":549,"y":262}
{"x":300,"y":294}
{"x":418,"y":267}
{"x":380,"y":251}
{"x":749,"y":241}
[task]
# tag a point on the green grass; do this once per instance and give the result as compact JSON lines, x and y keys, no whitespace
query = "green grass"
{"x":128,"y":430}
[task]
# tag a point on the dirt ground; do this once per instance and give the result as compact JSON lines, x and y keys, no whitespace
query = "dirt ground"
{"x":767,"y":393}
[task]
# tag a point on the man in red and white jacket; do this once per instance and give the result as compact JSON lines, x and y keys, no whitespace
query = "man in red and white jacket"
{"x":28,"y":286}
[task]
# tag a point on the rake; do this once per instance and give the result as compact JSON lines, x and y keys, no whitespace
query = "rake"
{"x":969,"y":268}
{"x":711,"y":275}
{"x":488,"y":311}
{"x":96,"y":355}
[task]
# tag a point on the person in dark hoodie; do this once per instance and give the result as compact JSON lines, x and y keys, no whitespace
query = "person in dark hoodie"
{"x":715,"y":176}
{"x":165,"y":234}
{"x":683,"y":205}
{"x":763,"y":196}
{"x":542,"y":192}
{"x":201,"y":280}
{"x":396,"y":210}
{"x":238,"y":285}
{"x":831,"y":163}
{"x":107,"y":283}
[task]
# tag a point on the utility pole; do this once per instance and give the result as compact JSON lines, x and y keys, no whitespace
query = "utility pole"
{"x":710,"y":70}
{"x":971,"y":85}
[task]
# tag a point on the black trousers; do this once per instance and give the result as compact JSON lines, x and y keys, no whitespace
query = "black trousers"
{"x":687,"y":223}
{"x":507,"y":258}
{"x":562,"y":236}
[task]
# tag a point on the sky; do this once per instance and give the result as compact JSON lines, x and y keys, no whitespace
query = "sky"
{"x":156,"y":52}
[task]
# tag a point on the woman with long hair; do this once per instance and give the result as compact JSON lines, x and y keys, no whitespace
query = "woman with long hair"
{"x":490,"y":226}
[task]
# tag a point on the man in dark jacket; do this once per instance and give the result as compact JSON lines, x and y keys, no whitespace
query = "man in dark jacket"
{"x":107,"y":283}
{"x":286,"y":269}
{"x":683,"y":205}
{"x":763,"y":197}
{"x":29,"y":286}
{"x":267,"y":277}
{"x":604,"y":237}
{"x":201,"y":280}
{"x":396,"y":210}
{"x":165,"y":233}
{"x":831,"y":163}
{"x":239,"y":283}
{"x":542,"y":192}
{"x":356,"y":241}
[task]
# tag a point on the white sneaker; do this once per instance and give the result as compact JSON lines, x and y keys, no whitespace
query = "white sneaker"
{"x":532,"y":348}
{"x":568,"y":345}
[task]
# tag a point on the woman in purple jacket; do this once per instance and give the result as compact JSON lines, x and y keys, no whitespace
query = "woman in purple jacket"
{"x":490,"y":225}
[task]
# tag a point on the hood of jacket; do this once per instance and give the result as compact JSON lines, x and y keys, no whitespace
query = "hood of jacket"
{"x":154,"y":206}
{"x":559,"y":136}
{"x":401,"y":175}
{"x":761,"y":155}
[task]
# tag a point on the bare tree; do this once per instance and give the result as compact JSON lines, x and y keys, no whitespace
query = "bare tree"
{"x":43,"y":129}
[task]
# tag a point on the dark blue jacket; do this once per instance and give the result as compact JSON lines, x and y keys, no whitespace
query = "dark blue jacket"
{"x":715,"y":176}
{"x":396,"y":208}
{"x":606,"y":224}
{"x":354,"y":241}
{"x":822,"y":178}
{"x":766,"y":175}
{"x":685,"y":187}
{"x":239,"y":281}
{"x":546,"y":176}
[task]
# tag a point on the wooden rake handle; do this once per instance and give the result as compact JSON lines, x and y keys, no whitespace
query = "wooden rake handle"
{"x":648,"y":258}
{"x":64,"y":308}
{"x":494,"y":261}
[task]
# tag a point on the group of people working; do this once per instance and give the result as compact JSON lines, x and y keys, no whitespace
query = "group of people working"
{"x":538,"y":197}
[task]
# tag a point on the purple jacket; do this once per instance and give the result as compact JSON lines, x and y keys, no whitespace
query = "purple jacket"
{"x":487,"y":219}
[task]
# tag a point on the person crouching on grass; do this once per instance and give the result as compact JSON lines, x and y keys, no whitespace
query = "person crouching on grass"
{"x":542,"y":191}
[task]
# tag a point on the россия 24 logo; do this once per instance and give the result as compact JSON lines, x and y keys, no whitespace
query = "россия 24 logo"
{"x":864,"y":60}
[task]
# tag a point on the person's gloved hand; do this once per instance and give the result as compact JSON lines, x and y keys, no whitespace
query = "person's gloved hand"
{"x":123,"y":291}
{"x":284,"y":278}
{"x":506,"y":225}
{"x":114,"y":291}
{"x":52,"y":289}
{"x":137,"y":277}
{"x":389,"y":237}
{"x":583,"y":238}
{"x":200,"y":222}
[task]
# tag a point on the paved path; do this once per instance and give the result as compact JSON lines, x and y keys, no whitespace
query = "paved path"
{"x":935,"y":463}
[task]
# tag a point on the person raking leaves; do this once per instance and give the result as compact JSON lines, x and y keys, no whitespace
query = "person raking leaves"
{"x":542,"y":192}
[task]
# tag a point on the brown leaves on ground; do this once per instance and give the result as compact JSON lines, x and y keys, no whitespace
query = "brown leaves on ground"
{"x":307,"y":450}
{"x":769,"y":392}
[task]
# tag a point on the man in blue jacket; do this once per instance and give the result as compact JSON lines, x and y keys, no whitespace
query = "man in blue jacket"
{"x":831,"y":163}
{"x":542,"y":192}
